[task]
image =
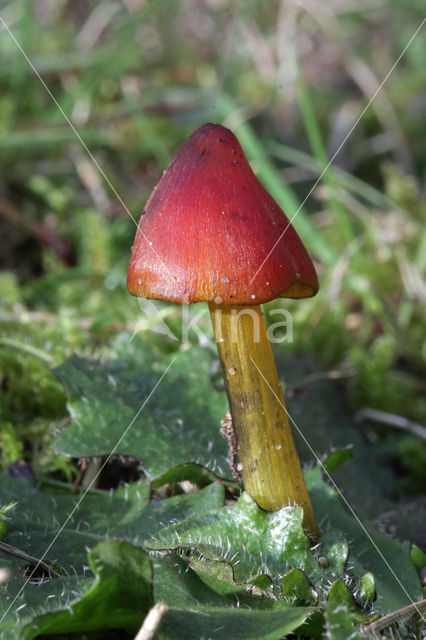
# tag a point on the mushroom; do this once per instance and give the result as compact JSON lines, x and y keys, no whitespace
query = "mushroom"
{"x":207,"y":234}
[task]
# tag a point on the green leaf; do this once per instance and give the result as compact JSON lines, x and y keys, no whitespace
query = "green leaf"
{"x":179,"y":586}
{"x":197,"y":611}
{"x":334,"y":551}
{"x":39,"y":515}
{"x":338,"y":457}
{"x":295,"y":585}
{"x":340,"y":594}
{"x":125,"y":513}
{"x":159,"y":512}
{"x":195,"y":473}
{"x":370,"y":551}
{"x":367,"y":589}
{"x":179,"y":423}
{"x":340,"y":625}
{"x":20,"y":603}
{"x":180,"y":582}
{"x":418,"y":557}
{"x":219,"y":576}
{"x":239,"y":624}
{"x":253,"y":541}
{"x":119,"y":597}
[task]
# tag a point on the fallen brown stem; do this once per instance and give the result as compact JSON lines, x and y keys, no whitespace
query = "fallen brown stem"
{"x":46,"y":237}
{"x":23,"y":555}
{"x":391,"y":419}
{"x":334,"y":374}
{"x":394,"y":616}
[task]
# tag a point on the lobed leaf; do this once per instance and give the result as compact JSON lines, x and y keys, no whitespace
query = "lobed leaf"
{"x":179,"y":423}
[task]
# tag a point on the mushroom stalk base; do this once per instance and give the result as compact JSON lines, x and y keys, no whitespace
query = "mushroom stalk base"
{"x":270,"y":464}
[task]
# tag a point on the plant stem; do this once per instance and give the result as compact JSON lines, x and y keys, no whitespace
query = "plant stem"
{"x":394,"y":616}
{"x":271,"y":468}
{"x":23,"y":555}
{"x":27,"y":348}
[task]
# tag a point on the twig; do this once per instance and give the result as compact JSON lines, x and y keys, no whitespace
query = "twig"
{"x":91,"y":180}
{"x":410,"y":277}
{"x":152,"y":622}
{"x":334,"y":374}
{"x":91,"y":473}
{"x":14,"y":551}
{"x":27,"y":348}
{"x":341,"y":267}
{"x":76,"y":483}
{"x":66,"y":486}
{"x":391,"y":419}
{"x":27,"y":316}
{"x":392,"y":617}
{"x":95,"y":25}
{"x":46,"y":237}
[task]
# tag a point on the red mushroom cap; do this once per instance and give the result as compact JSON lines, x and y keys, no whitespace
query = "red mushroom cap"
{"x":208,"y":227}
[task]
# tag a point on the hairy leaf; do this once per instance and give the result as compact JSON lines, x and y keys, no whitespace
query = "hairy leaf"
{"x":116,"y":406}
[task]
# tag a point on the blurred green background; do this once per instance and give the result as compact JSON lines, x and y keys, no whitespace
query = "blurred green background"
{"x":291,"y":78}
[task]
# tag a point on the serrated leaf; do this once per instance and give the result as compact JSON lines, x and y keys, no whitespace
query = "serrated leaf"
{"x":119,"y":597}
{"x":253,"y":541}
{"x":125,"y":513}
{"x":39,"y":516}
{"x":220,"y":577}
{"x":179,"y":583}
{"x":20,"y":603}
{"x":197,"y":611}
{"x":387,"y":559}
{"x":179,"y":424}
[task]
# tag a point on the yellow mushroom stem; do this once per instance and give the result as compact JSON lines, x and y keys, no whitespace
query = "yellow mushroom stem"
{"x":271,"y":468}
